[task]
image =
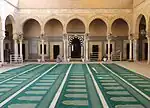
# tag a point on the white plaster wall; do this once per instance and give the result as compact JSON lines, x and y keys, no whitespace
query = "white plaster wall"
{"x":14,"y":2}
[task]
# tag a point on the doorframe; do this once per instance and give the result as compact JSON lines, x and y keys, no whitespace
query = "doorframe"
{"x":26,"y":49}
{"x":45,"y":43}
{"x":81,"y":47}
{"x":99,"y":43}
{"x":7,"y":42}
{"x":143,"y":48}
{"x":52,"y":47}
{"x":125,"y":42}
{"x":113,"y":46}
{"x":54,"y":50}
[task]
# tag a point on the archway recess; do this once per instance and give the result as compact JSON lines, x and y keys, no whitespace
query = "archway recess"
{"x":31,"y":28}
{"x":120,"y":27}
{"x":31,"y":32}
{"x":120,"y":33}
{"x":98,"y":28}
{"x":75,"y":48}
{"x":142,"y":40}
{"x":75,"y":26}
{"x":8,"y":41}
{"x":53,"y":28}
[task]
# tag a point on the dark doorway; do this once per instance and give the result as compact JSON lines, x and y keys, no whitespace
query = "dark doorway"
{"x":146,"y":51}
{"x":128,"y":50}
{"x":95,"y":51}
{"x":95,"y":48}
{"x":6,"y":53}
{"x":76,"y":48}
{"x":142,"y":37}
{"x":56,"y":51}
{"x":107,"y":48}
{"x":23,"y":50}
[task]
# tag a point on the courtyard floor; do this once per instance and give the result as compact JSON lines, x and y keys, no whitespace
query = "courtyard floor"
{"x":94,"y":85}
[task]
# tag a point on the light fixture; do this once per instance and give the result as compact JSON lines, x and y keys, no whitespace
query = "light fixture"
{"x":143,"y":32}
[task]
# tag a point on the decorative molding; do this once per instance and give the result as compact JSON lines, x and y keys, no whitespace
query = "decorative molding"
{"x":70,"y":11}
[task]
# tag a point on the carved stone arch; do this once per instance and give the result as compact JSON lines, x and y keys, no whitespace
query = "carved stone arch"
{"x":124,"y":19}
{"x":138,"y":18}
{"x":13,"y":21}
{"x":137,"y":23}
{"x":53,"y":17}
{"x":31,"y":17}
{"x":81,"y":39}
{"x":82,"y":19}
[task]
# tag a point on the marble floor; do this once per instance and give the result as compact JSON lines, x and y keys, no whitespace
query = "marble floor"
{"x":139,"y":67}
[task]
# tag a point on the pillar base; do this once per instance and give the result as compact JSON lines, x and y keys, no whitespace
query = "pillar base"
{"x":130,"y":60}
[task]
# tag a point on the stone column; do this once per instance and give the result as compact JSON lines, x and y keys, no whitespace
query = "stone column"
{"x":2,"y":48}
{"x":148,"y":39}
{"x":86,"y":47}
{"x":20,"y":37}
{"x":20,"y":44}
{"x":109,"y":53}
{"x":15,"y":38}
{"x":130,"y":51}
{"x":83,"y":52}
{"x":42,"y":59}
{"x":135,"y":49}
{"x":65,"y":46}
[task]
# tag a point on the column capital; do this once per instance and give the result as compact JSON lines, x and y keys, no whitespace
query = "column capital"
{"x":15,"y":36}
{"x":42,"y":36}
{"x":65,"y":36}
{"x":86,"y":34}
{"x":135,"y":38}
{"x":109,"y":37}
{"x":148,"y":38}
{"x":20,"y":36}
{"x":130,"y":37}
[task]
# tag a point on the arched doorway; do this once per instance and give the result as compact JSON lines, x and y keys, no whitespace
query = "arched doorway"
{"x":76,"y":30}
{"x":31,"y":48}
{"x":8,"y":41}
{"x":120,"y":30}
{"x":75,"y":48}
{"x":54,"y":29}
{"x":142,"y":41}
{"x":98,"y":32}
